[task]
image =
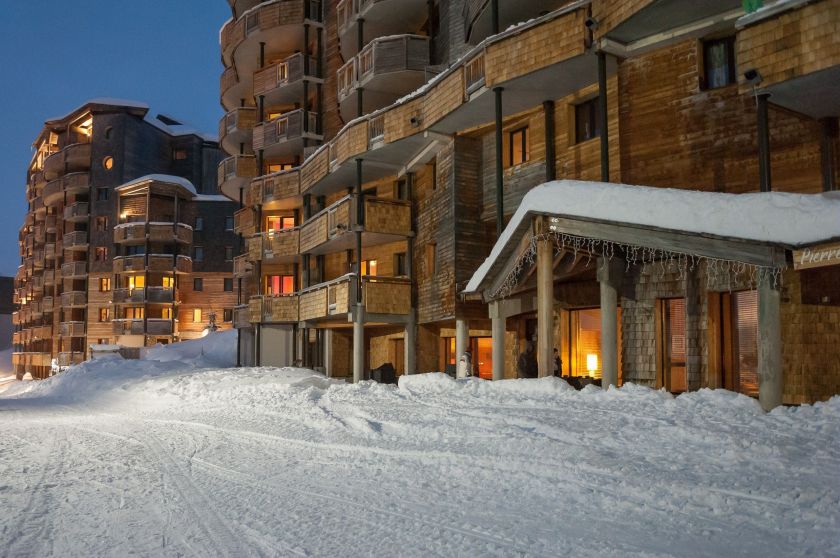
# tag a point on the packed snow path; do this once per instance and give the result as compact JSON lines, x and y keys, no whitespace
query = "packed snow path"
{"x":163,"y":459}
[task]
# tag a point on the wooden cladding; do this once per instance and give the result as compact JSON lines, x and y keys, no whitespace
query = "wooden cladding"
{"x":290,"y":70}
{"x":156,"y":262}
{"x":238,"y":166}
{"x":289,"y":126}
{"x":152,"y":326}
{"x":276,"y":309}
{"x":245,"y":221}
{"x":385,"y":295}
{"x":273,"y":187}
{"x":241,"y":118}
{"x":274,"y":245}
{"x":267,"y":16}
{"x":383,"y":56}
{"x":154,"y":232}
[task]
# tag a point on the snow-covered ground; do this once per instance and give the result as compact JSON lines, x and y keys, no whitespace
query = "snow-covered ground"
{"x":172,"y":458}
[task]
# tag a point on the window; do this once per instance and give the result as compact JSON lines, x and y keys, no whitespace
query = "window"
{"x":168,"y":282}
{"x":101,"y":224}
{"x":108,"y":163}
{"x":102,"y":341}
{"x":587,"y":121}
{"x":719,"y":62}
{"x":228,"y":253}
{"x":166,"y":313}
{"x":518,"y":152}
{"x":229,"y":222}
{"x":199,"y":224}
{"x":135,"y":313}
{"x":198,"y":284}
{"x":280,"y":167}
{"x":104,"y":284}
{"x":431,"y":258}
{"x":277,"y":223}
{"x":400,"y":264}
{"x":228,"y":314}
{"x":104,"y":314}
{"x":136,"y":282}
{"x":672,"y":344}
{"x":179,"y":154}
{"x":108,"y":131}
{"x":137,"y":250}
{"x":198,"y":254}
{"x":276,"y":285}
{"x":745,"y":341}
{"x":228,"y":286}
{"x":402,"y":189}
{"x":101,"y":253}
{"x":102,"y":194}
{"x":370,"y":267}
{"x":197,"y":315}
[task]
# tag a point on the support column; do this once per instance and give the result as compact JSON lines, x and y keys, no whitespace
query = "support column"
{"x":410,"y":344}
{"x":497,"y":330}
{"x":359,"y":312}
{"x":609,"y":277}
{"x":328,"y":352}
{"x":494,"y":14}
{"x":500,"y":168}
{"x":828,"y":133}
{"x":550,"y":151}
{"x":545,"y":302}
{"x":358,"y":345}
{"x":763,"y":142}
{"x":462,"y":341}
{"x":770,"y":379}
{"x":603,"y":113}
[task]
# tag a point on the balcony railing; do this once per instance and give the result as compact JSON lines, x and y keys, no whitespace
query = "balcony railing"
{"x":75,"y":240}
{"x":73,"y":158}
{"x":132,"y":233}
{"x":73,"y":299}
{"x":382,"y":216}
{"x":153,"y":294}
{"x":275,"y":309}
{"x":71,"y":358}
{"x":76,"y":212}
{"x":239,"y":168}
{"x":380,"y":295}
{"x":273,"y":187}
{"x":156,"y":262}
{"x":274,"y":245}
{"x":291,"y":70}
{"x":73,"y":270}
{"x":474,"y":74}
{"x":241,"y":266}
{"x":238,"y":124}
{"x":245,"y":221}
{"x":285,"y":128}
{"x":71,"y":329}
{"x":48,"y":304}
{"x":150,"y":326}
{"x":242,"y":316}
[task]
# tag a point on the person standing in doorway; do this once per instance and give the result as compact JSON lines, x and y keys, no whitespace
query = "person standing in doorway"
{"x":465,"y":365}
{"x":558,"y":364}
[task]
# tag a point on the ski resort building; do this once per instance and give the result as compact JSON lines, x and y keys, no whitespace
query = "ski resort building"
{"x":379,"y":150}
{"x":126,"y":241}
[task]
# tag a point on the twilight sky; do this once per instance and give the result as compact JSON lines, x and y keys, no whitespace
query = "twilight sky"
{"x":56,"y":54}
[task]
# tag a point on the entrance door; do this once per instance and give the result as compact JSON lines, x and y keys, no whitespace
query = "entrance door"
{"x":398,"y":355}
{"x":733,"y":341}
{"x":671,"y":345}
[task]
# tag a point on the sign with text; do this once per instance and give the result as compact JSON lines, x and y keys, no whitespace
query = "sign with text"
{"x":816,"y":256}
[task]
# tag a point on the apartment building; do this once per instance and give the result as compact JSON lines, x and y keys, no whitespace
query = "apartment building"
{"x":126,"y":242}
{"x":359,"y":240}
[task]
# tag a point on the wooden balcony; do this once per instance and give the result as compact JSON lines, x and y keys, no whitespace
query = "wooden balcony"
{"x":156,"y":262}
{"x":279,"y":190}
{"x":629,"y":21}
{"x":245,"y":221}
{"x":150,"y":295}
{"x":478,"y":19}
{"x":385,"y":221}
{"x":233,"y":90}
{"x":138,"y":233}
{"x":74,"y":299}
{"x":70,"y":358}
{"x":273,"y":309}
{"x":386,"y":69}
{"x":235,"y":173}
{"x":76,"y":212}
{"x":74,"y":270}
{"x":242,"y":316}
{"x":284,"y":135}
{"x":48,"y":304}
{"x":76,"y":240}
{"x":31,"y":361}
{"x":183,"y":264}
{"x":71,"y":184}
{"x":281,"y":83}
{"x":275,"y":246}
{"x":49,"y":277}
{"x":72,"y":329}
{"x":237,"y":128}
{"x":151,"y":326}
{"x":39,"y":259}
{"x":382,"y":18}
{"x":50,"y":251}
{"x":795,"y":48}
{"x":384,"y":296}
{"x":242,"y":267}
{"x":73,"y":158}
{"x":51,"y":223}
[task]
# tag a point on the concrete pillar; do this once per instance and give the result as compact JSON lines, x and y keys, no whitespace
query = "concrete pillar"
{"x":609,"y":277}
{"x":410,"y":344}
{"x":328,"y":352}
{"x":358,"y":345}
{"x":462,"y":340}
{"x":770,"y":380}
{"x":497,"y":330}
{"x":765,"y":180}
{"x":603,"y":111}
{"x":545,"y":308}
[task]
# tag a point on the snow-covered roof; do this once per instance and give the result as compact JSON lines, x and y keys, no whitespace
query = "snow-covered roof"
{"x":780,"y":218}
{"x":107,"y":101}
{"x":211,"y":198}
{"x":104,"y":348}
{"x":168,"y":178}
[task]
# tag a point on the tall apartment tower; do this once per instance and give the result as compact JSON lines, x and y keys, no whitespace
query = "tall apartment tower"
{"x":127,"y":240}
{"x":379,"y":148}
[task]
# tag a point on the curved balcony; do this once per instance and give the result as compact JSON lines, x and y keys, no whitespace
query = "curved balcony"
{"x":274,"y":309}
{"x":74,"y":270}
{"x":245,"y":221}
{"x":138,"y":233}
{"x":382,"y":18}
{"x":37,"y":180}
{"x":234,"y":91}
{"x":38,"y":208}
{"x":71,"y":329}
{"x":51,"y":223}
{"x":237,"y":128}
{"x":50,"y":251}
{"x":478,"y":20}
{"x":279,"y":190}
{"x":281,"y":83}
{"x":148,"y":295}
{"x":278,"y":23}
{"x":150,"y":326}
{"x":71,"y":184}
{"x":235,"y":173}
{"x":275,"y":247}
{"x":74,"y":299}
{"x":76,"y":240}
{"x":39,"y":259}
{"x":73,"y":158}
{"x":385,"y":221}
{"x":76,"y":212}
{"x":156,"y":262}
{"x":48,"y":304}
{"x":241,"y":6}
{"x":284,"y":136}
{"x":386,"y":69}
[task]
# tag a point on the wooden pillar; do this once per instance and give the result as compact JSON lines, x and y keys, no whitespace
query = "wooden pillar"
{"x":328,"y":352}
{"x":358,"y":344}
{"x":462,"y":341}
{"x":765,"y":180}
{"x":359,"y":311}
{"x":545,"y":301}
{"x":609,"y":277}
{"x":410,"y":343}
{"x":497,"y":330}
{"x":770,"y":379}
{"x":500,"y":168}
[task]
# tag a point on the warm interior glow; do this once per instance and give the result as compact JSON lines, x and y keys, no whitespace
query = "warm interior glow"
{"x":369,"y":268}
{"x":591,"y":364}
{"x":86,"y":126}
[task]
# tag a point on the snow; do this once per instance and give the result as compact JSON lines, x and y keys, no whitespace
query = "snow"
{"x":211,"y":198}
{"x":176,"y":456}
{"x":169,"y":178}
{"x":107,"y":101}
{"x":772,"y":217}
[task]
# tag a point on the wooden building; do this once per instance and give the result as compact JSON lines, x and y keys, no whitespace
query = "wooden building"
{"x":358,"y":240}
{"x":103,"y":263}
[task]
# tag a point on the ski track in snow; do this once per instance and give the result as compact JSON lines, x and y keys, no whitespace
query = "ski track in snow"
{"x":170,"y":459}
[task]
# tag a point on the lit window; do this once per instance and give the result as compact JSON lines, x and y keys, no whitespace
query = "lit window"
{"x":168,"y":282}
{"x":104,"y":314}
{"x":228,"y":315}
{"x":519,"y":146}
{"x":369,"y":267}
{"x":431,"y":258}
{"x":179,"y":154}
{"x":136,"y":282}
{"x":197,"y":315}
{"x":276,"y":223}
{"x":101,"y":224}
{"x":587,"y":121}
{"x":277,"y":285}
{"x":166,"y":313}
{"x":135,"y":313}
{"x":108,"y":162}
{"x":719,"y":62}
{"x":198,"y":284}
{"x":280,"y":167}
{"x":101,"y":253}
{"x":104,"y":284}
